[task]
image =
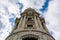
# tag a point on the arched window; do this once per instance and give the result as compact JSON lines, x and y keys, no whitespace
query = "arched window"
{"x":30,"y":38}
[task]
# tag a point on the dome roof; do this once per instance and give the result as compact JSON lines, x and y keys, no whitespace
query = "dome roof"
{"x":29,"y":11}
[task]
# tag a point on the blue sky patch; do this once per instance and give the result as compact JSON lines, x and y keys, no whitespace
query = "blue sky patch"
{"x":45,"y":6}
{"x":51,"y":32}
{"x":12,"y":20}
{"x":1,"y":33}
{"x":1,"y":25}
{"x":20,"y":5}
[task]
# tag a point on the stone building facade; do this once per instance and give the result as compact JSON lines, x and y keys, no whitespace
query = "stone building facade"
{"x":30,"y":26}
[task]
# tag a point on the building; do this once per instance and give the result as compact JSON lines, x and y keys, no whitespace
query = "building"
{"x":30,"y":26}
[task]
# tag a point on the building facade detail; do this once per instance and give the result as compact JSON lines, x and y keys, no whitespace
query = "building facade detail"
{"x":30,"y":26}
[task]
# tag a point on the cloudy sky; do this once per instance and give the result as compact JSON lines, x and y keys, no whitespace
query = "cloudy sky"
{"x":10,"y":9}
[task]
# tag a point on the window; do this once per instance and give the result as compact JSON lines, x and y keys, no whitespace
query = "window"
{"x":29,"y":26}
{"x":29,"y":19}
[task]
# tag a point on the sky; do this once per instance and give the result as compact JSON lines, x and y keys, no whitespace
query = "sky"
{"x":10,"y":9}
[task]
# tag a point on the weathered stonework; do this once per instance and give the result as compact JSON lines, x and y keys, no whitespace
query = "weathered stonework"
{"x":30,"y":26}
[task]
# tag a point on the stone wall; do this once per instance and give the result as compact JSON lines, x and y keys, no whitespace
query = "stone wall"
{"x":32,"y":33}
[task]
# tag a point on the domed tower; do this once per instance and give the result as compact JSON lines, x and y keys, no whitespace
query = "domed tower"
{"x":30,"y":26}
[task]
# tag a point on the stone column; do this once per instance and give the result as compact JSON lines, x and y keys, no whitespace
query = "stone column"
{"x":19,"y":26}
{"x":36,"y":23}
{"x":40,"y":25}
{"x":23,"y":22}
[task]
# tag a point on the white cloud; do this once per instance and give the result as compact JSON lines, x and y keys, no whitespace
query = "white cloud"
{"x":53,"y":17}
{"x":7,"y":11}
{"x":7,"y":26}
{"x":35,"y":4}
